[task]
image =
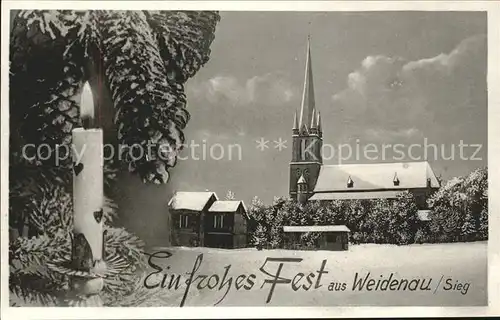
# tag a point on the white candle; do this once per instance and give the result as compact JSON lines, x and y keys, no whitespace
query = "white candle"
{"x":88,"y":186}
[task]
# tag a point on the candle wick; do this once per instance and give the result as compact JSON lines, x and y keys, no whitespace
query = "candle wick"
{"x":87,"y":122}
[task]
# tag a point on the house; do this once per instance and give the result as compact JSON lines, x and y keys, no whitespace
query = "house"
{"x":187,"y":210}
{"x":332,"y":237}
{"x":200,"y":219}
{"x":225,"y":225}
{"x":311,"y":180}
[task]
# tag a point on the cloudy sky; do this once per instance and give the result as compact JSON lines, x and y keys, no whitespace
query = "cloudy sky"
{"x":380,"y":78}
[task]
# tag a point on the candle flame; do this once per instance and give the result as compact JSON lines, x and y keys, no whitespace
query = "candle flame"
{"x":87,"y":102}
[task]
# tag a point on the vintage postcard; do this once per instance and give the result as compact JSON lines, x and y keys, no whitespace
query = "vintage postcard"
{"x":332,"y":159}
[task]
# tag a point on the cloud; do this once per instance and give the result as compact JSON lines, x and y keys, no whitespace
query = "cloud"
{"x":381,"y":134}
{"x":392,"y":94}
{"x":447,"y":62}
{"x":213,"y":136}
{"x":268,"y":88}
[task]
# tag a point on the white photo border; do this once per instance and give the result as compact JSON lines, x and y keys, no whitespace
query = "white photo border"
{"x":493,"y":78}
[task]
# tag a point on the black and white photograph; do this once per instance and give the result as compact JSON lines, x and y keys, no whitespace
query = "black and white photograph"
{"x":173,"y":157}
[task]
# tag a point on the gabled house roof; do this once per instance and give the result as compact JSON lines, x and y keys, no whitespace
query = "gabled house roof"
{"x":227,"y":206}
{"x":195,"y":201}
{"x":377,"y":176}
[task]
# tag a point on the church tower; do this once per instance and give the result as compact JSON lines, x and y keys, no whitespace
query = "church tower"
{"x":307,"y":140}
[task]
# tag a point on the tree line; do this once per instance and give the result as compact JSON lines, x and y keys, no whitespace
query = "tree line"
{"x":458,"y":212}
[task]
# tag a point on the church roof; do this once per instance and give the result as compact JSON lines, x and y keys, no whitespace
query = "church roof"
{"x":227,"y":206}
{"x":186,"y":200}
{"x":365,"y":195}
{"x":377,"y":176}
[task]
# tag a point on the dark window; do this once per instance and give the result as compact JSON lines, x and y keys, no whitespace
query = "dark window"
{"x":330,"y":237}
{"x":421,"y":201}
{"x":183,"y":221}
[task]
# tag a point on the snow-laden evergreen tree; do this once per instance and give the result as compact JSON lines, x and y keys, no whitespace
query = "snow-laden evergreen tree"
{"x":259,"y":237}
{"x":230,"y":195}
{"x":405,"y":218}
{"x":483,"y":224}
{"x":483,"y":216}
{"x":378,"y":219}
{"x":143,"y":58}
{"x":468,"y":230}
{"x":334,"y":213}
{"x":454,"y":200}
{"x":422,"y":235}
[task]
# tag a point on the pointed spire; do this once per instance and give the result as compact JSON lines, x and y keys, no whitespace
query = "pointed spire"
{"x":318,"y":121}
{"x":314,"y":120}
{"x":295,"y":122}
{"x":301,"y":180}
{"x":308,"y":102}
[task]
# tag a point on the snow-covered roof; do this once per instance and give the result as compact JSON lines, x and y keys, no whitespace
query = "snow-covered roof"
{"x":376,"y":176}
{"x":423,"y":215}
{"x":185,"y":200}
{"x":331,"y":228}
{"x":387,"y":194}
{"x":227,"y":206}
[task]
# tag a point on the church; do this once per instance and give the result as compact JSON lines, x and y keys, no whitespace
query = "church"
{"x":312,"y":180}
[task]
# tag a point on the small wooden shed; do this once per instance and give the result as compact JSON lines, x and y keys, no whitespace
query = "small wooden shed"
{"x":332,"y":237}
{"x":225,"y":225}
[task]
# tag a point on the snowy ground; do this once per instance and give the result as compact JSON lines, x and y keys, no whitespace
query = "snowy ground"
{"x":434,"y":263}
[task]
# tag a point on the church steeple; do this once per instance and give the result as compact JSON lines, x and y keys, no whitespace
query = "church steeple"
{"x":308,"y":102}
{"x":307,"y":140}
